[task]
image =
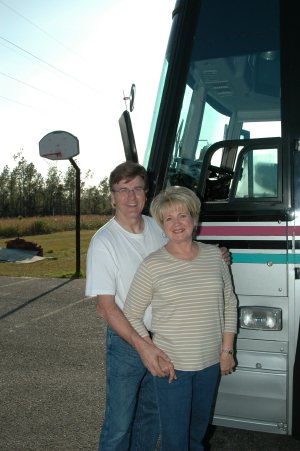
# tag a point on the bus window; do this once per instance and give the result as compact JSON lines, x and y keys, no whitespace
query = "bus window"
{"x":263,"y":129}
{"x":241,"y":170}
{"x":155,"y":112}
{"x":192,"y":141}
{"x":258,"y":175}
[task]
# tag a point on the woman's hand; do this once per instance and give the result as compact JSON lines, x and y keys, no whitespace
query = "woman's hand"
{"x":227,"y":363}
{"x":167,"y":368}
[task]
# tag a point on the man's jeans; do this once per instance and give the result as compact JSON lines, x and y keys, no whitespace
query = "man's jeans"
{"x":185,"y":407}
{"x":131,"y":415}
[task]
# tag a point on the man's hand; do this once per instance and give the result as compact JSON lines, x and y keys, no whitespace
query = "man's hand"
{"x":154,"y":359}
{"x":226,"y":255}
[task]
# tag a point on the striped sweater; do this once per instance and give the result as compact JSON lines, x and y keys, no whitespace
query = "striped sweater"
{"x":192,"y":305}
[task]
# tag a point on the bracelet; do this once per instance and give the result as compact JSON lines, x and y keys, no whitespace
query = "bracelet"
{"x":227,"y":351}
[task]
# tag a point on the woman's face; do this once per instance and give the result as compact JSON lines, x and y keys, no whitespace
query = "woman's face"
{"x":178,"y":223}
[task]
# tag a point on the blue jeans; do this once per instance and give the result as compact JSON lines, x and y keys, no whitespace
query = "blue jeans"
{"x":131,"y":417}
{"x":185,"y":408}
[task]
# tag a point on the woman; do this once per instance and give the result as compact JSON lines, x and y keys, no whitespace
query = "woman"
{"x":193,"y":318}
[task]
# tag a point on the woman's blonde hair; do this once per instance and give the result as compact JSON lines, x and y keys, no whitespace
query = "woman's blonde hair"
{"x":175,"y":196}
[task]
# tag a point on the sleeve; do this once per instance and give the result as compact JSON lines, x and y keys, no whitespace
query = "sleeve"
{"x":139,"y":298}
{"x":230,"y":301}
{"x":101,"y":270}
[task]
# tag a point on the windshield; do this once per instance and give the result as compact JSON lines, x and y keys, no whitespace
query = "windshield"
{"x":232,"y":87}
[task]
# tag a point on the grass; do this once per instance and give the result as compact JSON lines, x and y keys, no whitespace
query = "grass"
{"x":57,"y":237}
{"x":60,"y":250}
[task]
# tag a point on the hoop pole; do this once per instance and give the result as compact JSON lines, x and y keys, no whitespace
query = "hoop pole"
{"x":77,"y":212}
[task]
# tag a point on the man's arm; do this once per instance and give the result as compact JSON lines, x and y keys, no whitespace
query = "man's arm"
{"x":154,"y":359}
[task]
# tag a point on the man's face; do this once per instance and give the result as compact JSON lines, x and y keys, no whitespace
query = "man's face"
{"x":128,"y":197}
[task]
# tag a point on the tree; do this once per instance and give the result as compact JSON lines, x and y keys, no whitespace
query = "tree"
{"x":54,"y":192}
{"x":105,"y":205}
{"x":26,"y":187}
{"x":24,"y":192}
{"x":69,"y":182}
{"x":4,"y":191}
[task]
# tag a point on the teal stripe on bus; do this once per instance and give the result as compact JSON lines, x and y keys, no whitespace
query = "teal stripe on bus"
{"x":264,"y":258}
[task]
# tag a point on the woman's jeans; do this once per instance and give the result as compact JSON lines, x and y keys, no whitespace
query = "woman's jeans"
{"x":131,"y":415}
{"x":185,"y":408}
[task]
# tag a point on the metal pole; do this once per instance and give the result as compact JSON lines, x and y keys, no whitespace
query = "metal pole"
{"x":77,"y":210}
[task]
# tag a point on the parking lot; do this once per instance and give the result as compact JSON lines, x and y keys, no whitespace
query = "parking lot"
{"x":52,"y":372}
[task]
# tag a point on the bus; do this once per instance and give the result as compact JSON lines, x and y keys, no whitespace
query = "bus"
{"x":226,"y":124}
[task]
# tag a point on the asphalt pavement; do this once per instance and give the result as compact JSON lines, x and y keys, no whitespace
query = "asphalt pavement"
{"x":52,"y":373}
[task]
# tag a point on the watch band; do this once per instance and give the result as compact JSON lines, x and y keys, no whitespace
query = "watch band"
{"x":227,"y":351}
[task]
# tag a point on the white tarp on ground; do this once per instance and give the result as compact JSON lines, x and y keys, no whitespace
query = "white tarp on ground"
{"x":19,"y":256}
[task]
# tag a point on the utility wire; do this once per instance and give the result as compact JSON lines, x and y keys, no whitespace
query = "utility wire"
{"x":27,"y":57}
{"x":20,"y":103}
{"x":42,"y":30}
{"x":48,"y":64}
{"x":37,"y":89}
{"x":20,"y":81}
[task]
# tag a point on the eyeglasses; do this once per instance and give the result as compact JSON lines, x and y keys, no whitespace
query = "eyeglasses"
{"x":138,"y":190}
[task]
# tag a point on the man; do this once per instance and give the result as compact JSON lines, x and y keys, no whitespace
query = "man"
{"x":115,"y":252}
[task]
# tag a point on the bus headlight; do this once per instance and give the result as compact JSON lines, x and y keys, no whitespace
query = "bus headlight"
{"x":260,"y":318}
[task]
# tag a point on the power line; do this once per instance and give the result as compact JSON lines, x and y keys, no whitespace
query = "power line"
{"x":20,"y":103}
{"x":37,"y":89}
{"x":48,"y":64}
{"x":43,"y":31}
{"x":16,"y":50}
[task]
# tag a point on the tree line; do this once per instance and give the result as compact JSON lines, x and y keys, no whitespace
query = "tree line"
{"x":25,"y":192}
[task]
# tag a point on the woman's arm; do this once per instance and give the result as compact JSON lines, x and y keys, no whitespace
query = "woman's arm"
{"x":227,"y":362}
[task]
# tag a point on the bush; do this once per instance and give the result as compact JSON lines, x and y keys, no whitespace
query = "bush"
{"x":8,"y":231}
{"x":17,"y":227}
{"x":40,"y":227}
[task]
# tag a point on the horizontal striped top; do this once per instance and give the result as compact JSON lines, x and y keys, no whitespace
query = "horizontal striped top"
{"x":192,"y":305}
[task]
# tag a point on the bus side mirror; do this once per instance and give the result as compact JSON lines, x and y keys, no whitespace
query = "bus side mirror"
{"x":128,"y":137}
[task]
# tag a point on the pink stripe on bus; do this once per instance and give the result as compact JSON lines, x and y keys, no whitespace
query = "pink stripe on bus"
{"x":248,"y":230}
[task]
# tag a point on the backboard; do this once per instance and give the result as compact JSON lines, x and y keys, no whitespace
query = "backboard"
{"x":59,"y":145}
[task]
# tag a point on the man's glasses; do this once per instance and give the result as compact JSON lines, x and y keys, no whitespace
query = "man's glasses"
{"x":137,"y":190}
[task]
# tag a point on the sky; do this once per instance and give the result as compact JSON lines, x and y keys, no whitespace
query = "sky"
{"x":67,"y":65}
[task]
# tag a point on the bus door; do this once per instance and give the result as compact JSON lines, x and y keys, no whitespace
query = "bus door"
{"x":241,"y":179}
